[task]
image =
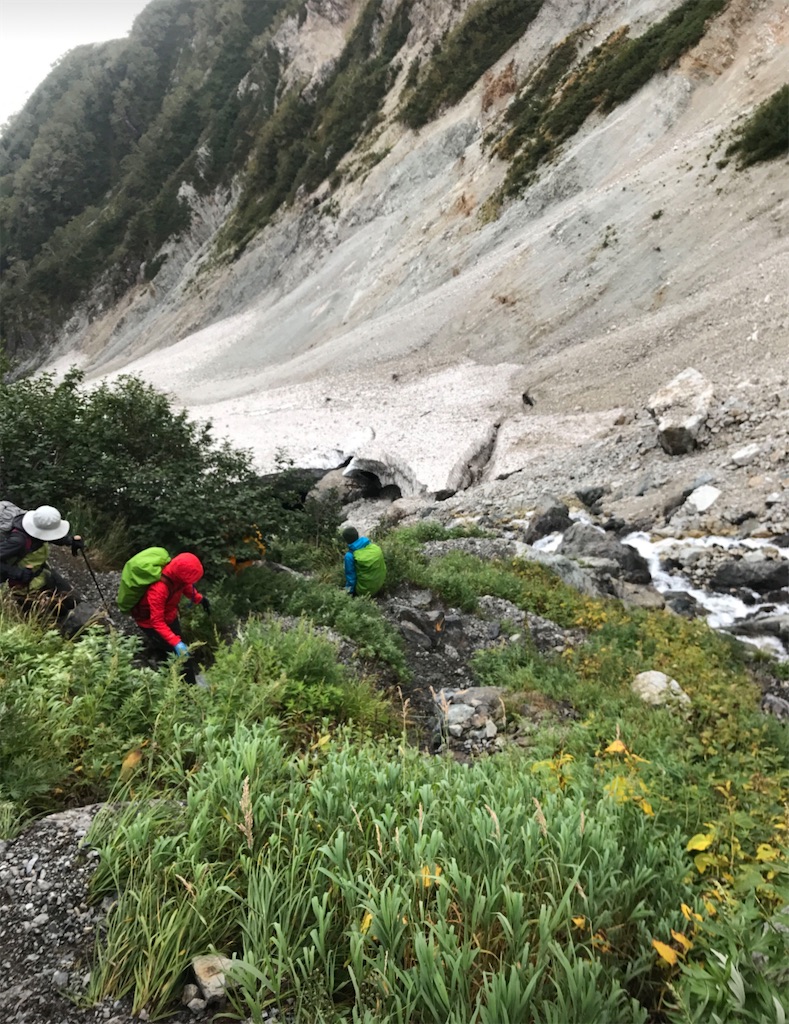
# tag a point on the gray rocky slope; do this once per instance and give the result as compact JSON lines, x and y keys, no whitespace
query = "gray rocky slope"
{"x":390,"y":321}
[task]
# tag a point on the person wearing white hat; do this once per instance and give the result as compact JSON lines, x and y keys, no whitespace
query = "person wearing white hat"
{"x":24,"y":551}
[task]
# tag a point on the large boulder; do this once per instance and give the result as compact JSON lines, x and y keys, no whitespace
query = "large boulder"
{"x":680,"y":409}
{"x":656,"y":688}
{"x":588,"y":544}
{"x":635,"y":595}
{"x":755,"y":571}
{"x":568,"y":571}
{"x":763,"y":624}
{"x":550,"y":516}
{"x":347,"y":488}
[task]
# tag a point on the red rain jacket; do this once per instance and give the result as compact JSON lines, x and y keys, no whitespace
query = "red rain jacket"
{"x":158,"y":607}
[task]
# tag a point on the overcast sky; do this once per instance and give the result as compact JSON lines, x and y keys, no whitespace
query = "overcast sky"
{"x":35,"y":33}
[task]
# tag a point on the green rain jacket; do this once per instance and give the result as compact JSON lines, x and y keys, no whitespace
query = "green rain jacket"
{"x":365,"y":568}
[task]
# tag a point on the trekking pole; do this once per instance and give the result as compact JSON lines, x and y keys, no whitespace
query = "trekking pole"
{"x":96,"y":584}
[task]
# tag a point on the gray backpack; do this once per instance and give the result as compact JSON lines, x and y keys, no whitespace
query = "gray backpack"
{"x":8,"y":513}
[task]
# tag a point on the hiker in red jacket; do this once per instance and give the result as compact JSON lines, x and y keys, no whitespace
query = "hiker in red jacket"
{"x":156,"y":613}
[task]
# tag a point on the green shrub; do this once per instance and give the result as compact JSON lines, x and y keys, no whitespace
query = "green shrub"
{"x":293,"y":674}
{"x":764,"y":136}
{"x":488,"y":30}
{"x":11,"y":819}
{"x":70,"y":713}
{"x":304,"y":141}
{"x":529,"y":107}
{"x":460,"y":578}
{"x":122,"y":455}
{"x":739,"y":971}
{"x":261,"y":589}
{"x":545,"y":115}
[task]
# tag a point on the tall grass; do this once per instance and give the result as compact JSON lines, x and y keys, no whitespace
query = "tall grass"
{"x":599,"y":875}
{"x":71,"y":714}
{"x":367,"y":877}
{"x":371,"y":881}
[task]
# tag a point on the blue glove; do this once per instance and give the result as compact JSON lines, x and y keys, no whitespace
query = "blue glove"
{"x":205,"y":604}
{"x":180,"y":650}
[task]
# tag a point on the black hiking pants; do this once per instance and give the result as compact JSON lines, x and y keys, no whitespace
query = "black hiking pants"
{"x":161,"y":650}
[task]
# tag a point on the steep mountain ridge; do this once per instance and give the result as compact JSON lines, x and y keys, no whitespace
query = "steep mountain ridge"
{"x":637,"y":251}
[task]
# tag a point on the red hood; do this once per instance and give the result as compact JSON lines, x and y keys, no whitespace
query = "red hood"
{"x":185,"y":568}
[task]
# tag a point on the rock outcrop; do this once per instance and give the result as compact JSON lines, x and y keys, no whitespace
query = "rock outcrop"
{"x":681,"y":408}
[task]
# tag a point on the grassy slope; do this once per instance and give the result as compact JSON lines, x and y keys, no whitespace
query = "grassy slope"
{"x":344,"y":869}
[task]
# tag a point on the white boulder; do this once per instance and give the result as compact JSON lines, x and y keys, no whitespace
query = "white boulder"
{"x":681,"y":408}
{"x":657,"y":689}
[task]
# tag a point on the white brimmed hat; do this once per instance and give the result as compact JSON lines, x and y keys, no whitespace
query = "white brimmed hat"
{"x":44,"y":523}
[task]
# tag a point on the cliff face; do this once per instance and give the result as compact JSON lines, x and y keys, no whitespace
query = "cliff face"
{"x":384,"y":240}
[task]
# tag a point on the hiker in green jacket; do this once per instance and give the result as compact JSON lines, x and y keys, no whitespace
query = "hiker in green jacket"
{"x":365,"y":568}
{"x":24,"y":552}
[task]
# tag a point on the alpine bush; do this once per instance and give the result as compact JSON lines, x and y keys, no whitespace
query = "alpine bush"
{"x":765,"y":134}
{"x":486,"y":33}
{"x":123,"y":455}
{"x":553,"y":106}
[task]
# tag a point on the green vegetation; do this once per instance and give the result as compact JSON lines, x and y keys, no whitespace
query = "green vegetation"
{"x":631,"y":862}
{"x":71,"y":713}
{"x":554,"y":104}
{"x":91,"y":173}
{"x":629,"y":865}
{"x":323,"y":602}
{"x":305,"y":140}
{"x":488,"y":30}
{"x":765,"y":135}
{"x":118,"y":459}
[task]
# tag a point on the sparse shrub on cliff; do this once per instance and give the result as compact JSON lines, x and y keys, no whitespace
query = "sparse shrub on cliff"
{"x":553,"y":107}
{"x":765,"y":134}
{"x":305,"y":139}
{"x":486,"y":32}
